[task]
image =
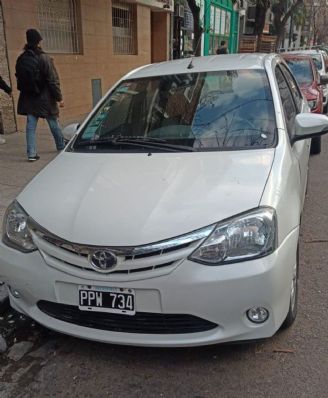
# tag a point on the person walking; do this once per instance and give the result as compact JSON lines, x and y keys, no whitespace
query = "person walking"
{"x":4,"y":86}
{"x":223,"y":49}
{"x":40,"y":94}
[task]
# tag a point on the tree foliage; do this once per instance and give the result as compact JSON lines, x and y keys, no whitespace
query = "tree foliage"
{"x":316,"y":13}
{"x":281,"y":14}
{"x":282,"y":10}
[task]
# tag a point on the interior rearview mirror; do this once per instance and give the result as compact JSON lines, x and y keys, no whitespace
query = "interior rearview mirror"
{"x":310,"y":125}
{"x":70,"y":130}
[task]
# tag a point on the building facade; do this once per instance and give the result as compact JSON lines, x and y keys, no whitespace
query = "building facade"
{"x":221,"y":22}
{"x":93,"y":44}
{"x":183,"y":30}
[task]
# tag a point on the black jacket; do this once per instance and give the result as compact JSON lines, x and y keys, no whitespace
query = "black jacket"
{"x":45,"y":104}
{"x":222,"y":50}
{"x":4,"y":86}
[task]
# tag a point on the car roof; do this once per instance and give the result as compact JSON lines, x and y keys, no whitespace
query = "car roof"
{"x":306,"y":52}
{"x":296,"y":56}
{"x":202,"y":64}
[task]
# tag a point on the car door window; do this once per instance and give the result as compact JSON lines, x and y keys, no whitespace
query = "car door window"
{"x":298,"y":98}
{"x":288,"y":104}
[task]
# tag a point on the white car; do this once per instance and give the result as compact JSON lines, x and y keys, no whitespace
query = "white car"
{"x":172,"y":217}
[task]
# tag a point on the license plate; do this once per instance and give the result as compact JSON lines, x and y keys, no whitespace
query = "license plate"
{"x":107,"y":299}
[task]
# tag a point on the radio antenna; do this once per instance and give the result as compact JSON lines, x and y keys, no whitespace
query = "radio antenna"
{"x":191,"y":65}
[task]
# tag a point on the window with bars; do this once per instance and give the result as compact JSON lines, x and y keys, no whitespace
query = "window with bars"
{"x":59,"y":26}
{"x":124,"y":23}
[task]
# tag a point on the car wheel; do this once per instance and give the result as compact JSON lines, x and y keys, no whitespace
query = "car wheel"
{"x":315,"y":145}
{"x":292,"y":311}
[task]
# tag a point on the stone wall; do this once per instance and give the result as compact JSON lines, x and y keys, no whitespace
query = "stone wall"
{"x":7,"y":113}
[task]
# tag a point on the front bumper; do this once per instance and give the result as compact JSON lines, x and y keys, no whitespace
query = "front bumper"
{"x":218,"y":294}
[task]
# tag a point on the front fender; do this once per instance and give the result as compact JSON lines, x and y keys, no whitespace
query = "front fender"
{"x":283,"y":189}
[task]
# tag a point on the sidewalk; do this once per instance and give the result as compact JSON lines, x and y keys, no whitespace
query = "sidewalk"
{"x":16,"y":171}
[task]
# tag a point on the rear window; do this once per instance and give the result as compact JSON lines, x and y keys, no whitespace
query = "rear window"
{"x":225,"y":110}
{"x":302,"y":70}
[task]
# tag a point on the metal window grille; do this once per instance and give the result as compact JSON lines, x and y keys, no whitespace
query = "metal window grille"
{"x":188,"y":18}
{"x":124,"y":22}
{"x":59,"y":26}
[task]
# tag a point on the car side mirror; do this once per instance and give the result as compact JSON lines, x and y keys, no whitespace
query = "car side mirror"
{"x":323,"y":79}
{"x":70,"y":130}
{"x":310,"y":125}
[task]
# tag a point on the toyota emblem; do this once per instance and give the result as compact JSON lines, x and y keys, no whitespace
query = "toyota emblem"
{"x":103,"y":260}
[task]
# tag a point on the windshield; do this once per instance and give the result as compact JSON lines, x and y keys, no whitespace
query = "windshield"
{"x":301,"y":69}
{"x":193,"y":111}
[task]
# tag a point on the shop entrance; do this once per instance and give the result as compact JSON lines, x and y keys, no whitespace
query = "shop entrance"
{"x":160,"y":36}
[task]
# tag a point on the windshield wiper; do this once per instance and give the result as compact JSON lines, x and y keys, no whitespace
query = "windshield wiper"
{"x":156,"y":143}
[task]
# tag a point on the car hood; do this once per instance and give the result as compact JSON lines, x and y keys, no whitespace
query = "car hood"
{"x":133,"y":199}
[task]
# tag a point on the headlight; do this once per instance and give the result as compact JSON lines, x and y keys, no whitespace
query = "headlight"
{"x":15,"y":230}
{"x":312,"y":104}
{"x":248,"y":236}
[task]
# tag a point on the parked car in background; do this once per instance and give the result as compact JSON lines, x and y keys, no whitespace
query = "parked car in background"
{"x":172,"y":217}
{"x":310,"y":82}
{"x":320,"y":59}
{"x":323,"y":48}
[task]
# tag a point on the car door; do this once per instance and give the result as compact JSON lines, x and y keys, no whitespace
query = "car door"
{"x":293,"y":103}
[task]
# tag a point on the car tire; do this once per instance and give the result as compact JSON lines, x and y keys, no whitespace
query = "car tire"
{"x":292,"y":310}
{"x":315,"y":146}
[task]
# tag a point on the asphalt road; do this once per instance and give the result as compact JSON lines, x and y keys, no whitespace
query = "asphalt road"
{"x":294,"y":363}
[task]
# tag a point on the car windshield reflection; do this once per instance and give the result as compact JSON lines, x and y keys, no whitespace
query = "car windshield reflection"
{"x":224,"y":110}
{"x":302,"y":70}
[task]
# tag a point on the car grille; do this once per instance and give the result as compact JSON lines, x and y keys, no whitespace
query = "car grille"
{"x":132,"y":262}
{"x":141,"y":322}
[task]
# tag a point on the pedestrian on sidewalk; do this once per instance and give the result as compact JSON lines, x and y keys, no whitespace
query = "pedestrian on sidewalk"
{"x":40,"y":94}
{"x":223,"y":49}
{"x":4,"y":86}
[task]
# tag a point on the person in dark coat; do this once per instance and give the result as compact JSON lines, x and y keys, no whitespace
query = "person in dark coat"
{"x":223,"y":49}
{"x":45,"y":104}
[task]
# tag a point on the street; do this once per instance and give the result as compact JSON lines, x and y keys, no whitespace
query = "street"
{"x":293,"y":363}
